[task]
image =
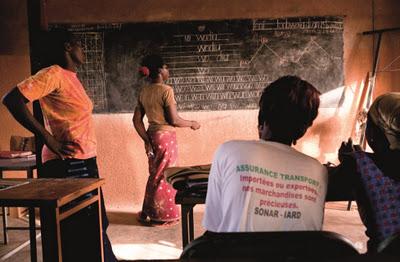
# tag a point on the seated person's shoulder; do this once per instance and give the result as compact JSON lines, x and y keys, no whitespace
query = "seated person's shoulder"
{"x":231,"y":147}
{"x":232,"y":143}
{"x":312,"y":162}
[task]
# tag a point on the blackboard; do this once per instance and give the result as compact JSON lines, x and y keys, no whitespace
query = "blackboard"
{"x":214,"y":65}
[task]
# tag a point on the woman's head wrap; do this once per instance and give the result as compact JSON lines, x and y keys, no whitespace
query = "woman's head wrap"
{"x":144,"y":71}
{"x":385,"y":113}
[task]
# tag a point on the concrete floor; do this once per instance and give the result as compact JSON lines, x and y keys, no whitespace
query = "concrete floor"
{"x":131,"y":241}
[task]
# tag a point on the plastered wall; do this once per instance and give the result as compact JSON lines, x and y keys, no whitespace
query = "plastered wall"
{"x":121,"y":154}
{"x":14,"y":64}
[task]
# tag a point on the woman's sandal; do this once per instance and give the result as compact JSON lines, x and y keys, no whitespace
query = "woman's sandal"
{"x":142,"y":219}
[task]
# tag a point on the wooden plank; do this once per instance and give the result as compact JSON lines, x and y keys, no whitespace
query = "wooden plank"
{"x":379,"y":31}
{"x":78,"y":207}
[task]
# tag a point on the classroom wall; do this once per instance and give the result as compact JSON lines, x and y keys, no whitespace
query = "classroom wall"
{"x":14,"y":65}
{"x":121,"y":156}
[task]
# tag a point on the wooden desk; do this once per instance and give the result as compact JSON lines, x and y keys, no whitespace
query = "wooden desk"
{"x":28,"y":165}
{"x":21,"y":164}
{"x":52,"y":196}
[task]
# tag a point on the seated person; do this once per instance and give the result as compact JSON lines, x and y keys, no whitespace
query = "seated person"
{"x":374,"y":177}
{"x":267,"y":185}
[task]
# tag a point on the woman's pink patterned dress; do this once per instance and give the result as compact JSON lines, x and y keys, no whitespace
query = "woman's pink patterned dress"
{"x":159,"y":201}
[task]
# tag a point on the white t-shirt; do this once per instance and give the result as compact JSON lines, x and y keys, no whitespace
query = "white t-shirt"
{"x":264,"y":186}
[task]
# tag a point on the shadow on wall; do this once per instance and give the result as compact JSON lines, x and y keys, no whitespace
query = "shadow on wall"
{"x":332,"y":126}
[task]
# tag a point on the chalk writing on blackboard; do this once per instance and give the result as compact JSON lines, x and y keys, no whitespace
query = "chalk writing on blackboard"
{"x":92,"y":72}
{"x":214,"y":65}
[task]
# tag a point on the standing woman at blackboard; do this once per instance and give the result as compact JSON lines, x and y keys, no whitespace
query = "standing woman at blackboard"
{"x":69,"y":149}
{"x":157,"y":102}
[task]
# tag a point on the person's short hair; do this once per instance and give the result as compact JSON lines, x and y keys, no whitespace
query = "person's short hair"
{"x":153,"y":62}
{"x":53,"y":46}
{"x":289,"y":106}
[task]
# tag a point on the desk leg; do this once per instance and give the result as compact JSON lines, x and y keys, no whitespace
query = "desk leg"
{"x":187,"y":224}
{"x":349,"y":205}
{"x":32,"y":225}
{"x":5,"y":235}
{"x":100,"y":227}
{"x":51,"y":234}
{"x":4,"y":213}
{"x":30,"y":173}
{"x":32,"y":233}
{"x":191,"y":227}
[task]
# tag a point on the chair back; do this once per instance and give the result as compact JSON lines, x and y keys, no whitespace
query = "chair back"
{"x":270,"y":246}
{"x":21,"y":143}
{"x":38,"y":114}
{"x":390,"y":246}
